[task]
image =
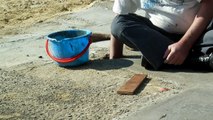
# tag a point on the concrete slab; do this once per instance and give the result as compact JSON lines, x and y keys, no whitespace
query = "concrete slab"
{"x":195,"y":104}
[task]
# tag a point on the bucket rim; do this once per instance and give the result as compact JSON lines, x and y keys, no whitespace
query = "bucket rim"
{"x":88,"y":32}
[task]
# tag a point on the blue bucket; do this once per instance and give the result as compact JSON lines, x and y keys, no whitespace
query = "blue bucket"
{"x":69,"y":48}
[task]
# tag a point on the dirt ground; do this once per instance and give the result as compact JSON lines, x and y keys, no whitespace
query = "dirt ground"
{"x":22,"y":13}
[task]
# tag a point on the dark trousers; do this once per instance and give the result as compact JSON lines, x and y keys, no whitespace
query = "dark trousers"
{"x":139,"y":32}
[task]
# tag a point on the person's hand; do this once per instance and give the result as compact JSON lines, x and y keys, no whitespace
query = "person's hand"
{"x":176,"y":54}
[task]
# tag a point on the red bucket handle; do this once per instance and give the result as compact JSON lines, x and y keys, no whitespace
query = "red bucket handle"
{"x":66,"y":60}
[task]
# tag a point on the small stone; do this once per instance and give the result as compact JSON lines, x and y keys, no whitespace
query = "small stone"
{"x":163,"y":116}
{"x":40,"y":21}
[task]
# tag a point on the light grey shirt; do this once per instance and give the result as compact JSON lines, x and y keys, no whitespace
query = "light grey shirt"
{"x":174,"y":16}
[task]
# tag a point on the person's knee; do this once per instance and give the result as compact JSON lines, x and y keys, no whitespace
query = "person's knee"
{"x":116,"y":26}
{"x":208,"y":37}
{"x":208,"y":42}
{"x":119,"y":23}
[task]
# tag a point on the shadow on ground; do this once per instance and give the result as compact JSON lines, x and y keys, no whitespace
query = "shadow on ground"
{"x":142,"y":86}
{"x":175,"y":69}
{"x":104,"y":64}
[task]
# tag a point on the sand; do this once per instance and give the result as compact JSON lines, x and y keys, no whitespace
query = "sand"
{"x":23,"y":13}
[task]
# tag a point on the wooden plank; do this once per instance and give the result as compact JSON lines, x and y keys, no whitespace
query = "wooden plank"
{"x":131,"y":85}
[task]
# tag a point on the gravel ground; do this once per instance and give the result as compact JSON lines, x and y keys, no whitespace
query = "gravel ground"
{"x":46,"y":91}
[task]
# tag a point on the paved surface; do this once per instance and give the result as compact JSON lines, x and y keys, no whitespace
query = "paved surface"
{"x":189,"y":98}
{"x":194,"y":104}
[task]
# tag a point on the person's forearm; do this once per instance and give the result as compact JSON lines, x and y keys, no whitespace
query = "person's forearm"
{"x":202,"y":19}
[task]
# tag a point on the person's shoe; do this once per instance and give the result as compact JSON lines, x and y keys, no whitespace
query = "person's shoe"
{"x":202,"y":62}
{"x":211,"y":60}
